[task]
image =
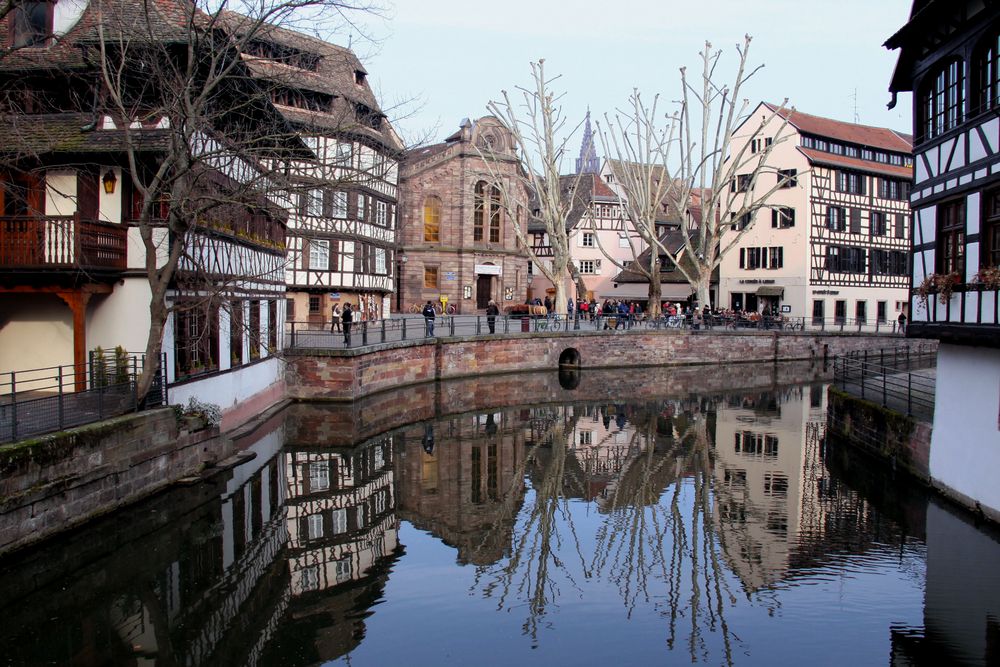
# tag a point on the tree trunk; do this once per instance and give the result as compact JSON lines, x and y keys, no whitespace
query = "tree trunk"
{"x":702,"y":289}
{"x":560,"y":299}
{"x":655,"y":292}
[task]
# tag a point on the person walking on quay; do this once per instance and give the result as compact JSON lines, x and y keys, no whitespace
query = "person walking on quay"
{"x":491,"y":315}
{"x":429,"y":316}
{"x":335,"y":318}
{"x":348,"y":319}
{"x":901,"y":321}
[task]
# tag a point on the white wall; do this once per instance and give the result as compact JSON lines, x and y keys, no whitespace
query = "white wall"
{"x":227,"y":390}
{"x":120,"y":318}
{"x":965,"y":444}
{"x":38,"y":332}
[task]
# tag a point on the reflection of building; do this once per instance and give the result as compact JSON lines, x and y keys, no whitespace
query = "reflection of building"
{"x":462,"y":480}
{"x":764,"y":489}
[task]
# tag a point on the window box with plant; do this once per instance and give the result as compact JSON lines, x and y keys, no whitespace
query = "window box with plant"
{"x":988,"y":278}
{"x":942,"y":284}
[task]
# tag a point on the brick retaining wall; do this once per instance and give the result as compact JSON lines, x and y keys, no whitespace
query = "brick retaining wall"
{"x":52,"y":483}
{"x":346,"y":375}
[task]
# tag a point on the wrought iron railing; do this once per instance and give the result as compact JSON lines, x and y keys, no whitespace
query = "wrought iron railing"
{"x":315,"y":334}
{"x":61,"y":242}
{"x":42,"y":400}
{"x":899,"y":379}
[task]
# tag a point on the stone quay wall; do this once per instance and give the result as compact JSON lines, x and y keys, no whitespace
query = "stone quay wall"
{"x":346,"y":375}
{"x":55,"y":482}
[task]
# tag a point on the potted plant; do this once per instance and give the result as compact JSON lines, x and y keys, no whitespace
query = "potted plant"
{"x":988,"y":278}
{"x":942,"y":284}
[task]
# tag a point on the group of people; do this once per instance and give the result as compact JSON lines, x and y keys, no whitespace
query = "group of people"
{"x":342,"y":318}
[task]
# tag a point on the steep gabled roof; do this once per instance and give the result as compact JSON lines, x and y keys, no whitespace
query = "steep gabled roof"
{"x":831,"y":160}
{"x":865,"y":135}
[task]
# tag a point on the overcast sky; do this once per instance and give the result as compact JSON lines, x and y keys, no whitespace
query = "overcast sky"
{"x":454,"y":56}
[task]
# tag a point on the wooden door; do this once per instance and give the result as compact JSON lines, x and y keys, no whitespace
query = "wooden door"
{"x":483,"y":291}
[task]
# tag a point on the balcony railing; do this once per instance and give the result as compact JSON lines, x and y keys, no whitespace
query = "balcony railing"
{"x":968,"y":304}
{"x":61,"y":242}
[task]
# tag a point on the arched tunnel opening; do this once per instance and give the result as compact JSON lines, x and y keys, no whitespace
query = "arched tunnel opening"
{"x":570,"y":358}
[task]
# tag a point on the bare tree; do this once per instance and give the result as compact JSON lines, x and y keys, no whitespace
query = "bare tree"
{"x":681,"y":166}
{"x":203,"y":144}
{"x":538,"y":128}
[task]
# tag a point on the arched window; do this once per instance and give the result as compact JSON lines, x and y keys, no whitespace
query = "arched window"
{"x":432,"y":219}
{"x":942,"y":100}
{"x":988,"y":66}
{"x":496,"y":213}
{"x":478,"y":212}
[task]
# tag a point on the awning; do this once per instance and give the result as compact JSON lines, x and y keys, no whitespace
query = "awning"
{"x":770,"y":290}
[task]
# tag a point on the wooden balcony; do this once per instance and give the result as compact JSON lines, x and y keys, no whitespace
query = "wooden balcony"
{"x":61,"y":243}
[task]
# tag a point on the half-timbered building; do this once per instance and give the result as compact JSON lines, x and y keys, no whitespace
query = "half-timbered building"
{"x":457,"y":238}
{"x":832,"y":244}
{"x":948,"y":59}
{"x":342,"y":218}
{"x":77,"y":202}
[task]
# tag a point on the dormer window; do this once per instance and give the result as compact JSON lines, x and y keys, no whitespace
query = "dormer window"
{"x":31,"y":24}
{"x":359,"y":77}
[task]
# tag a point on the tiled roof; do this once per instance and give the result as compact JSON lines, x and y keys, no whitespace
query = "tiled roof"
{"x":831,"y":160}
{"x":673,"y":239}
{"x":876,"y":137}
{"x":41,"y":134}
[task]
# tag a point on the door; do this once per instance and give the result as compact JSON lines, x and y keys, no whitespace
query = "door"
{"x":818,"y":312}
{"x":484,"y":285}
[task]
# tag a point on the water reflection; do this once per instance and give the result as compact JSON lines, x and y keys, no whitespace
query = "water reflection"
{"x":704,"y":525}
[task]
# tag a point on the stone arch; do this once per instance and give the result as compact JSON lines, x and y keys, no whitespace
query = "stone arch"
{"x":570,"y":358}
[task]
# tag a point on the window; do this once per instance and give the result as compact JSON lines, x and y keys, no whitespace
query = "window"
{"x":950,"y":250}
{"x":478,"y":211}
{"x":361,"y":207}
{"x":988,"y":64}
{"x":775,"y":484}
{"x":741,"y":183}
{"x":32,"y":23}
{"x":381,"y":268}
{"x":900,"y":225}
{"x":776,"y":259}
{"x":315,"y":523}
{"x":339,"y":523}
{"x":430,"y":277}
{"x":839,"y":311}
{"x":381,"y":213}
{"x":788,"y":178}
{"x":319,"y":254}
{"x":196,"y":337}
{"x":496,"y":213}
{"x":845,"y":259}
{"x":941,"y":102}
{"x":989,"y":254}
{"x":760,"y":144}
{"x":855,"y":220}
{"x":590,"y":266}
{"x":889,"y":188}
{"x":236,"y":333}
{"x":432,"y":219}
{"x":314,"y":302}
{"x":338,"y":203}
{"x":587,"y":240}
{"x":877,"y":224}
{"x":850,"y":182}
{"x":319,"y":476}
{"x":311,"y":203}
{"x":623,"y":241}
{"x":836,"y":218}
{"x":254,"y":330}
{"x":742,"y":222}
{"x":782,"y":217}
{"x":272,"y":326}
{"x":586,"y":437}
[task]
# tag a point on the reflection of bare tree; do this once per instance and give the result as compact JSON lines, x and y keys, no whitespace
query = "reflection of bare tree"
{"x":656,"y":548}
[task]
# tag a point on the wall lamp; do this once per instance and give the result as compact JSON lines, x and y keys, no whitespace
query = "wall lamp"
{"x":109,"y":181}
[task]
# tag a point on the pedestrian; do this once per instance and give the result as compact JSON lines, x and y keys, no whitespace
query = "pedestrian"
{"x":548,"y":304}
{"x":429,"y":316}
{"x":491,"y":315}
{"x":335,"y":318}
{"x":901,"y":320}
{"x":347,"y":317}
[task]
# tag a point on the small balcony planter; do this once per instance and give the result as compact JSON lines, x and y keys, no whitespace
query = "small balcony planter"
{"x":942,"y":284}
{"x":988,"y":278}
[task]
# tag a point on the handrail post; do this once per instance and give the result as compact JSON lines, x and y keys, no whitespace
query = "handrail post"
{"x":383,"y":329}
{"x":61,"y":406}
{"x":364,"y":332}
{"x":909,"y":394}
{"x":293,"y":335}
{"x":404,"y":329}
{"x":135,"y":382}
{"x":13,"y":405}
{"x":478,"y":325}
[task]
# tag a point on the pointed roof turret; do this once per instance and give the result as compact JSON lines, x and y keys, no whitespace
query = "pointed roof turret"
{"x":588,"y":163}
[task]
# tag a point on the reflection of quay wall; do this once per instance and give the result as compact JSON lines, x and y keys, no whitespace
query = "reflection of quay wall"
{"x":349,"y":374}
{"x":333,"y":425}
{"x":468,"y":489}
{"x":52,"y":483}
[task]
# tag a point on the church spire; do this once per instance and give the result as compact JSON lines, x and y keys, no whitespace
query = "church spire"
{"x":587,"y":163}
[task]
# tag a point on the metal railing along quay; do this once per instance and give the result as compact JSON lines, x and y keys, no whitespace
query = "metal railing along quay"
{"x":896,"y":379}
{"x":43,"y":400}
{"x":318,"y":334}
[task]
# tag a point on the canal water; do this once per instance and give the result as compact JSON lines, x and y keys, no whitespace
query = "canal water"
{"x":519,"y":521}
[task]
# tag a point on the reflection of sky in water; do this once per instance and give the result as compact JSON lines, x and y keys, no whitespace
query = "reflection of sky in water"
{"x":718,"y":529}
